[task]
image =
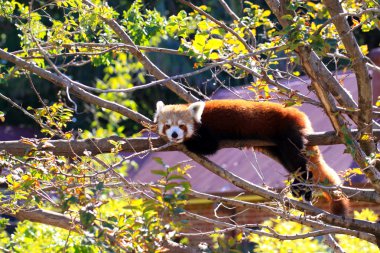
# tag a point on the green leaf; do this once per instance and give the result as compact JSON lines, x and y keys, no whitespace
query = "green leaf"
{"x":87,"y":217}
{"x":100,"y":186}
{"x":159,"y":172}
{"x":287,"y":17}
{"x":174,"y":177}
{"x":158,"y":160}
{"x":170,"y":186}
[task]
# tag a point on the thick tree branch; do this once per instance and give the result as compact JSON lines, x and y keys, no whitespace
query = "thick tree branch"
{"x":323,"y":82}
{"x":132,"y":145}
{"x":103,"y":145}
{"x":314,"y":213}
{"x":45,"y":217}
{"x":361,"y":72}
{"x":245,"y":228}
{"x":96,"y":46}
{"x":313,"y":65}
{"x":63,"y":221}
{"x":284,"y":215}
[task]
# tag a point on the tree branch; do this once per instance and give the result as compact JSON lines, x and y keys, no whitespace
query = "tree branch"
{"x":245,"y":228}
{"x":45,"y":217}
{"x":148,"y":64}
{"x":313,"y":65}
{"x":70,"y":148}
{"x":236,"y":18}
{"x":318,"y":214}
{"x":63,"y":221}
{"x":361,"y":72}
{"x":323,"y":83}
{"x":73,"y":87}
{"x":103,"y":145}
{"x":219,"y":23}
{"x":279,"y":212}
{"x":105,"y":46}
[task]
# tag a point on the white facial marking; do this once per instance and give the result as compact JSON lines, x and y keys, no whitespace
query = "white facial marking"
{"x":175,"y":134}
{"x":161,"y":129}
{"x":190,"y":130}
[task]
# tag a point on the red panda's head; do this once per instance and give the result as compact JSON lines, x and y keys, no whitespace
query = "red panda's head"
{"x":176,"y":122}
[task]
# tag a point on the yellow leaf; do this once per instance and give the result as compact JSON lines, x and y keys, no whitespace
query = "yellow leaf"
{"x":214,"y":44}
{"x":266,"y":13}
{"x":25,"y":177}
{"x":203,"y":26}
{"x":16,"y":185}
{"x":365,"y":137}
{"x":364,"y":49}
{"x":214,"y":56}
{"x":199,"y":42}
{"x":203,"y":7}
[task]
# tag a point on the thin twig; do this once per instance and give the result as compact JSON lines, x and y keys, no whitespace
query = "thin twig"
{"x":219,"y":23}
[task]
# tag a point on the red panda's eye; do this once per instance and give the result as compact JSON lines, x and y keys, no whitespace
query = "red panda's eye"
{"x":182,"y":126}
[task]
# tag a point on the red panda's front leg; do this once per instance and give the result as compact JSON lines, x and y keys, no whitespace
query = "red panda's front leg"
{"x":202,"y":142}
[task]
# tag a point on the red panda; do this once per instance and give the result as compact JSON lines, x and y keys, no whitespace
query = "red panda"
{"x":200,"y":126}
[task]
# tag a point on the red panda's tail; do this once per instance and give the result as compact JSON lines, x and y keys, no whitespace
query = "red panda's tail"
{"x":323,"y":173}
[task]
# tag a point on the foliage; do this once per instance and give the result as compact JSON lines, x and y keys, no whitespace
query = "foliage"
{"x":135,"y":224}
{"x":76,"y":43}
{"x":32,"y":237}
{"x":223,"y":242}
{"x":266,"y":244}
{"x":353,"y":244}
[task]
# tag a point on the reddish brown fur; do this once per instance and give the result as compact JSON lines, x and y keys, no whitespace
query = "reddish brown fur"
{"x":270,"y":120}
{"x":249,"y":118}
{"x":240,"y":119}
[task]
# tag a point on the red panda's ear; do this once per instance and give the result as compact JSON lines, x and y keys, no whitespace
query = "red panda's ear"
{"x":159,"y":107}
{"x":196,"y":110}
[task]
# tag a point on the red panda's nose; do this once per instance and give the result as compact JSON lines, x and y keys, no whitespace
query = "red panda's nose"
{"x":174,"y":135}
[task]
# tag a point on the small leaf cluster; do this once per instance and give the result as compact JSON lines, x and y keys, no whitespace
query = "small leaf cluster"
{"x":173,"y":186}
{"x":56,"y":116}
{"x":33,"y":237}
{"x":276,"y":225}
{"x":145,"y":27}
{"x":268,"y":244}
{"x":257,"y":20}
{"x":354,"y":244}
